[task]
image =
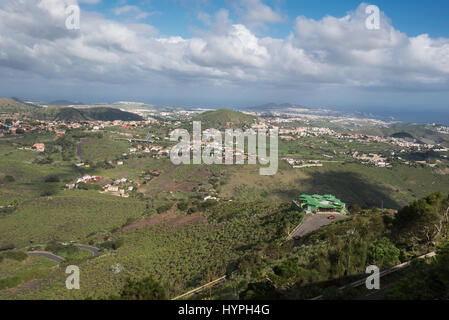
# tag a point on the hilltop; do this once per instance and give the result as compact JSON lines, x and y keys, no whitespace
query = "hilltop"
{"x":224,"y":118}
{"x":403,"y":135}
{"x":87,"y":114}
{"x":15,"y":108}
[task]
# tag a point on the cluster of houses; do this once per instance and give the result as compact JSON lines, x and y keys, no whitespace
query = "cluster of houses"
{"x":158,"y":150}
{"x":59,"y":127}
{"x":84,"y":179}
{"x":119,"y":187}
{"x":371,"y":159}
{"x":309,"y":131}
{"x":299,"y":163}
{"x":443,"y":129}
{"x":305,"y":132}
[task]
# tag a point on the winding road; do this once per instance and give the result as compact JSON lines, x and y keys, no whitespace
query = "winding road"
{"x":94,"y":250}
{"x":47,"y":255}
{"x":51,"y":256}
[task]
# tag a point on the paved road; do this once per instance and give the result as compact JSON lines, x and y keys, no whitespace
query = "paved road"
{"x":94,"y":250}
{"x":47,"y":255}
{"x":312,"y":222}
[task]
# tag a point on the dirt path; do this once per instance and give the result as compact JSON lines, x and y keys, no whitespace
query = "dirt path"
{"x":94,"y":250}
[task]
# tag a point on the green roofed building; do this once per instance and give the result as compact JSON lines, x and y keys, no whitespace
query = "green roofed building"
{"x":321,"y":203}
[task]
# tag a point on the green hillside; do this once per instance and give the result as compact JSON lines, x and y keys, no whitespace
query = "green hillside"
{"x":13,"y":108}
{"x":403,"y":135}
{"x":71,"y":114}
{"x":109,"y":114}
{"x":85,"y":114}
{"x":220,"y":119}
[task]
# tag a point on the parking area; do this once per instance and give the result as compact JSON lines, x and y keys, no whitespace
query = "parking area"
{"x":313,"y":222}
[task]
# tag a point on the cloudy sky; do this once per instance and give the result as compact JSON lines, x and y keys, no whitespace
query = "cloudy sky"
{"x":228,"y":53}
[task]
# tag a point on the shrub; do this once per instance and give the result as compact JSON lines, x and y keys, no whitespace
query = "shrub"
{"x":114,"y":245}
{"x":259,"y":291}
{"x":9,"y":283}
{"x":8,"y":246}
{"x":383,"y":253}
{"x":47,"y":193}
{"x":163,"y":208}
{"x":14,"y":255}
{"x":8,"y":179}
{"x":183,"y":206}
{"x":46,"y":160}
{"x":52,"y":179}
{"x":60,"y":249}
{"x":129,"y":221}
{"x":145,"y":289}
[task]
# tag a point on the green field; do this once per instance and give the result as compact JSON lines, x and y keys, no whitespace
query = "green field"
{"x":353,"y":183}
{"x":182,"y":255}
{"x":72,"y":215}
{"x":166,"y":230}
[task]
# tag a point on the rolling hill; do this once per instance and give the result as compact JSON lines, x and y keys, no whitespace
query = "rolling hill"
{"x":89,"y":114}
{"x":224,"y":118}
{"x":15,"y":108}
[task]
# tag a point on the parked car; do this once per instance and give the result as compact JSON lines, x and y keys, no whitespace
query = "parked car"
{"x":297,"y":237}
{"x":332,"y":217}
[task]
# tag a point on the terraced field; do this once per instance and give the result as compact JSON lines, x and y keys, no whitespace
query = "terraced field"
{"x":182,"y":252}
{"x":71,"y":215}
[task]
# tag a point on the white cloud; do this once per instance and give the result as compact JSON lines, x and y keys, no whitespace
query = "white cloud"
{"x":134,"y":10}
{"x":330,"y":51}
{"x":258,"y":14}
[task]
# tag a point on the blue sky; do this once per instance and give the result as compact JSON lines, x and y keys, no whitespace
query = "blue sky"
{"x":227,"y":53}
{"x":177,"y":17}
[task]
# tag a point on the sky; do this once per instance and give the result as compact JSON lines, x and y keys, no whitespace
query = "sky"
{"x":227,"y":53}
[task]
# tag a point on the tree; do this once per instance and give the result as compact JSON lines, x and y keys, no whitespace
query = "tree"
{"x":145,"y":289}
{"x":383,"y":253}
{"x":355,"y":209}
{"x":422,"y":222}
{"x":424,"y":279}
{"x":9,"y":179}
{"x":259,"y":291}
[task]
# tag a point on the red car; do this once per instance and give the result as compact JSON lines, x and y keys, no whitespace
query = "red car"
{"x":332,"y":217}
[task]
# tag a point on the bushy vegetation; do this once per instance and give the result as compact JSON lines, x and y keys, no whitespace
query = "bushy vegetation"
{"x":145,"y":289}
{"x":109,"y":244}
{"x":425,"y":279}
{"x":14,"y":255}
{"x":71,"y":216}
{"x":245,"y":241}
{"x":338,"y":254}
{"x":176,"y":241}
{"x":422,"y":224}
